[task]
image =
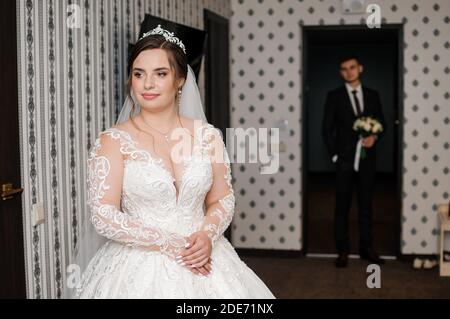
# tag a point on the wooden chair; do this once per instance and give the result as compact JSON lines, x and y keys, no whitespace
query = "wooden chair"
{"x":444,"y":266}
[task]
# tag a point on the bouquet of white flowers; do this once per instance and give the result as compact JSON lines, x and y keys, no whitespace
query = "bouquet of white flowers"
{"x":367,"y":126}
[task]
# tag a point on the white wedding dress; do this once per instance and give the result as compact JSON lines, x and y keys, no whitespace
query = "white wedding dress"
{"x":134,"y":203}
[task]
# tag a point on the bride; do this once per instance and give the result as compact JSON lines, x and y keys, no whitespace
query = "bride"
{"x":157,"y":218}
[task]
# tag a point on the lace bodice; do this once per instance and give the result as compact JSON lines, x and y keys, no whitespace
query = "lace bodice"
{"x":133,"y":198}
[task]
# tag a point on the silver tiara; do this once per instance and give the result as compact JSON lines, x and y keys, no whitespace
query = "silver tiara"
{"x":166,"y":34}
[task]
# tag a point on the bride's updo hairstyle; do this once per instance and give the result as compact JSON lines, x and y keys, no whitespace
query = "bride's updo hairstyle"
{"x":177,"y":58}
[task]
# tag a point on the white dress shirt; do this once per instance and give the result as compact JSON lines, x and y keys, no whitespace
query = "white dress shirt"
{"x":359,"y":95}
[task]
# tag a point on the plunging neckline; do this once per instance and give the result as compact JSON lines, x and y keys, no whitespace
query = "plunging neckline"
{"x":161,"y":164}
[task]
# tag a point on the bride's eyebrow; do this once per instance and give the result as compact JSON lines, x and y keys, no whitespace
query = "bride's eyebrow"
{"x":155,"y":70}
{"x":161,"y":69}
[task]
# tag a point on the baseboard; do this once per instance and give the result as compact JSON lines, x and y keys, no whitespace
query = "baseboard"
{"x":278,"y":253}
{"x":411,"y":257}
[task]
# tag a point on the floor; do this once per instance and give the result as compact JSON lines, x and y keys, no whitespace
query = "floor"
{"x":306,"y":277}
{"x":321,"y":215}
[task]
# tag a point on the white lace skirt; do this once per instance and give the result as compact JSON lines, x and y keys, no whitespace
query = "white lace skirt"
{"x":117,"y":271}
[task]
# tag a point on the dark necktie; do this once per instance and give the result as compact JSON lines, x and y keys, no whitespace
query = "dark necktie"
{"x":358,"y":106}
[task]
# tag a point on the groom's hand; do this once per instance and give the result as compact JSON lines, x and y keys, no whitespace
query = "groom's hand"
{"x":369,"y":141}
{"x":198,"y":252}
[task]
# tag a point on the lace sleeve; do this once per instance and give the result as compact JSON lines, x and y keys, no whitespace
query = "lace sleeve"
{"x":220,"y":200}
{"x":105,"y":178}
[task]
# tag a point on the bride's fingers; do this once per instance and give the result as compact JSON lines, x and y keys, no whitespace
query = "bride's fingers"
{"x":198,"y":271}
{"x":199,"y":253}
{"x":195,"y":255}
{"x":194,"y":270}
{"x":199,"y":261}
{"x":202,"y":262}
{"x":203,"y":271}
{"x":198,"y":244}
{"x":207,"y":267}
{"x":188,"y":252}
{"x":190,"y":242}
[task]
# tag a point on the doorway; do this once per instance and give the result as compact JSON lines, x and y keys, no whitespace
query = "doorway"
{"x":380,"y":52}
{"x":217,"y":71}
{"x":217,"y":74}
{"x":12,"y":254}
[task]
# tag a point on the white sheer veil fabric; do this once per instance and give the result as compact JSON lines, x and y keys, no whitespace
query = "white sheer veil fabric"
{"x":89,"y":242}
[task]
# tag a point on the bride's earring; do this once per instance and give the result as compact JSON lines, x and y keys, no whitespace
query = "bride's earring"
{"x":179,"y":97}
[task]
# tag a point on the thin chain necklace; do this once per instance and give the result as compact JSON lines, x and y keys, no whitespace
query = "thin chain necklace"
{"x":166,"y":135}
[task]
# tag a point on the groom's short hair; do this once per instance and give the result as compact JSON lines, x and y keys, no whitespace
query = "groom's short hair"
{"x":348,"y":57}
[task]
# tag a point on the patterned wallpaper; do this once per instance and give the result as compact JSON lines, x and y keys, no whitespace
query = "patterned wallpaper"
{"x":266,"y":76}
{"x":70,"y":86}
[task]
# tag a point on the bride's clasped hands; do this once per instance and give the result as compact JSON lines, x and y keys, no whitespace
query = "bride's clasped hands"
{"x":197,"y":254}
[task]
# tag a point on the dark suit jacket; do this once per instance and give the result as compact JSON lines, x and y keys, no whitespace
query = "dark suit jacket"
{"x":337,"y":129}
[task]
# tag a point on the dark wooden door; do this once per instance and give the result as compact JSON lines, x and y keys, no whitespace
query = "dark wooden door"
{"x":12,"y":266}
{"x":217,"y":74}
{"x":217,"y":71}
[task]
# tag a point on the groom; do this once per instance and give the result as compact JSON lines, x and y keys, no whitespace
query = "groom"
{"x":342,"y":107}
